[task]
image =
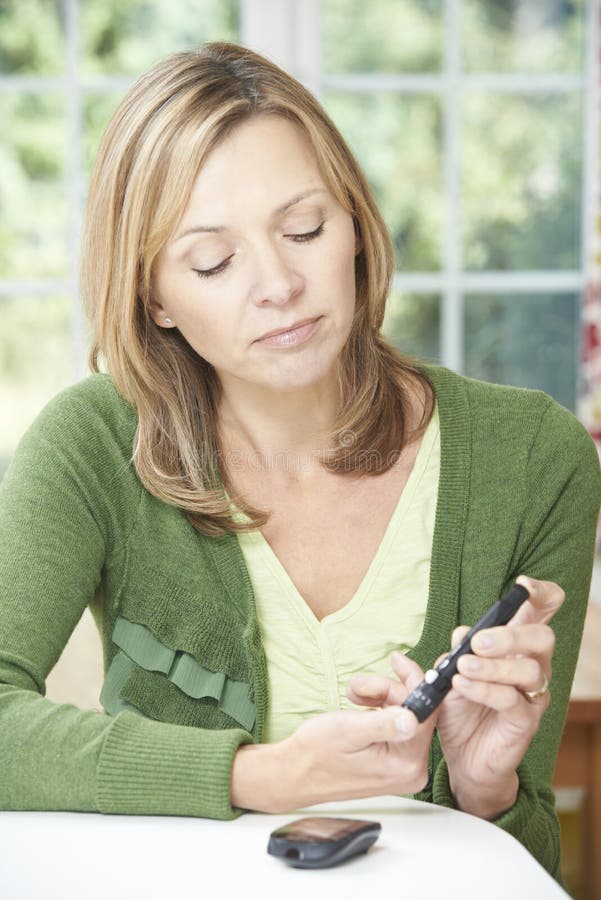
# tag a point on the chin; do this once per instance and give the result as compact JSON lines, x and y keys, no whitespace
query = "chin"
{"x":305,"y":378}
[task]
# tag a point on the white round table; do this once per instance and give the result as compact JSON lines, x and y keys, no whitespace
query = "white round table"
{"x":423,"y":852}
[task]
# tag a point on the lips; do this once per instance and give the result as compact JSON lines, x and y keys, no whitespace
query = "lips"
{"x":292,"y":327}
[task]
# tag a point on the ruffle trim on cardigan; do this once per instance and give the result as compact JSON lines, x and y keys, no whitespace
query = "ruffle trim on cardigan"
{"x":139,"y":646}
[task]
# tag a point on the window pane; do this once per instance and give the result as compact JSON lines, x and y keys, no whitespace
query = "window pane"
{"x":32,"y":40}
{"x":412,"y":323}
{"x":34,"y":209}
{"x":34,"y":363}
{"x":381,"y":36}
{"x":127,"y":36}
{"x":521,"y":182}
{"x":529,"y":340}
{"x":523,"y":35}
{"x":400,"y":152}
{"x":98,"y":109}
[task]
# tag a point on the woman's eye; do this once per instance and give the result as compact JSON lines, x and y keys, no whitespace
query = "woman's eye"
{"x":298,"y":238}
{"x":207,"y":273}
{"x":308,"y":236}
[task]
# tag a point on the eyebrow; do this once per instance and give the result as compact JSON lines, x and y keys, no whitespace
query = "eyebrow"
{"x":215,"y":229}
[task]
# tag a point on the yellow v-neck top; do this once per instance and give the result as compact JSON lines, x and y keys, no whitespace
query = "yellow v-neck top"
{"x":309,"y":661}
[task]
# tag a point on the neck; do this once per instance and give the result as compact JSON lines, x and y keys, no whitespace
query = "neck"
{"x":277,"y":434}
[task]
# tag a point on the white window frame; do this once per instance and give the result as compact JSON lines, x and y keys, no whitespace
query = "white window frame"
{"x":293,"y":41}
{"x":288,"y":31}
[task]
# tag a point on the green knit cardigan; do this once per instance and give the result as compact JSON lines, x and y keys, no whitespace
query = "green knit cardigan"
{"x":520,"y":490}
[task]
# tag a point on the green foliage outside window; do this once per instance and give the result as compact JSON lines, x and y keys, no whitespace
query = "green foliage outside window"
{"x":520,"y":179}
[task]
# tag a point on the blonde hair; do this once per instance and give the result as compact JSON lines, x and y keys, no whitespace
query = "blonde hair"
{"x":149,"y":157}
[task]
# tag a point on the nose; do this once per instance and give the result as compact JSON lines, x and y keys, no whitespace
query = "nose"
{"x":276,"y":280}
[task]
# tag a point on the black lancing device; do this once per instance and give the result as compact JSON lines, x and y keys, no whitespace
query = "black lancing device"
{"x":437,"y":683}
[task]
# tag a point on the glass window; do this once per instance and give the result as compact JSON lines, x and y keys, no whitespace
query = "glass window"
{"x":385,"y":36}
{"x":27,"y":50}
{"x":521,"y":174}
{"x":34,"y":208}
{"x":38,"y":210}
{"x":528,"y":340}
{"x":515,"y":175}
{"x":98,"y":109}
{"x":398,"y":143}
{"x":488,"y":179}
{"x":122,"y":37}
{"x":523,"y":35}
{"x":412,"y":323}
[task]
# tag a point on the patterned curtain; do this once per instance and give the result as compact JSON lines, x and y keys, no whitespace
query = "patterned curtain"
{"x":590,"y":400}
{"x":589,"y":407}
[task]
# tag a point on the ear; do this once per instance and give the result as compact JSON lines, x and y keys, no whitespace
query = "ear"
{"x":156,"y":310}
{"x":160,"y":316}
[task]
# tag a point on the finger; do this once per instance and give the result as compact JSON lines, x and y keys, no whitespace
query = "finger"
{"x":524,"y":640}
{"x":458,"y":634}
{"x":410,"y":673}
{"x":393,"y":723}
{"x":374,"y":690}
{"x":525,"y":673}
{"x":545,"y":599}
{"x":413,"y":675}
{"x":503,"y":698}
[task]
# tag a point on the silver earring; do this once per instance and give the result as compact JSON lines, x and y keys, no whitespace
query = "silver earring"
{"x":168,"y":321}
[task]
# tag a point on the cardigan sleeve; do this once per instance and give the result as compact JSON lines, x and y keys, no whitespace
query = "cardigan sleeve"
{"x":556,"y":543}
{"x":57,"y":521}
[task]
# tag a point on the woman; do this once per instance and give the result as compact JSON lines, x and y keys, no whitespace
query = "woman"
{"x":259,"y":523}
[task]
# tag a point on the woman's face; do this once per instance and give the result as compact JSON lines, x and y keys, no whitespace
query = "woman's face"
{"x":261,"y":246}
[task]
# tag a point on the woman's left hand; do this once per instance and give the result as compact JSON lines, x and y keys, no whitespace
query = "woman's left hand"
{"x":487,"y":721}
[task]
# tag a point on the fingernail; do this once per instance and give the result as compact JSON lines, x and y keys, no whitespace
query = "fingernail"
{"x":472,"y":665}
{"x":527,"y":583}
{"x":464,"y":682}
{"x":483,"y":642}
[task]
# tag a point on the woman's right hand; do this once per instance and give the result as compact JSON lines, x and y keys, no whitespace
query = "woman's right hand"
{"x":342,"y":755}
{"x":358,"y":753}
{"x":354,"y":753}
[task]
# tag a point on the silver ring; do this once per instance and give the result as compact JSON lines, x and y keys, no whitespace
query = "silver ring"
{"x":531,"y":696}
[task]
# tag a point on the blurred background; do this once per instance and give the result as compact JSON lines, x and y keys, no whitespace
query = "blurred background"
{"x":472,"y":120}
{"x":476,"y":122}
